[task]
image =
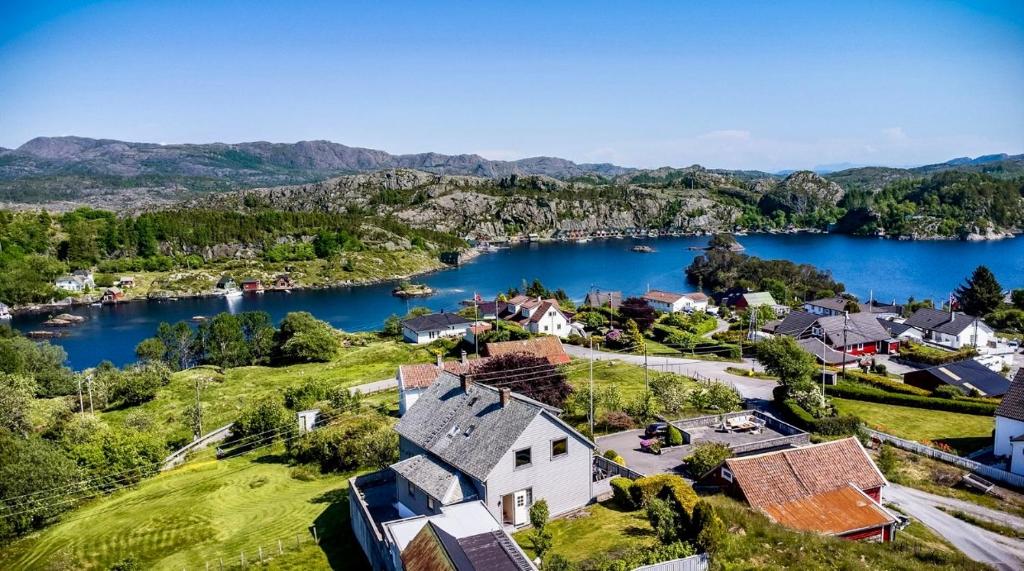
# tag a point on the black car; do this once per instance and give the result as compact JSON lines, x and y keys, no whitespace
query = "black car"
{"x":656,"y":429}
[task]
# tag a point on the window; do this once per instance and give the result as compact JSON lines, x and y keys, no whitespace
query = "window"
{"x":529,"y":496}
{"x":430,"y":502}
{"x":412,"y":490}
{"x":523,"y":458}
{"x":726,"y":475}
{"x":559,"y":447}
{"x":545,"y":328}
{"x":860,"y":346}
{"x":559,"y":326}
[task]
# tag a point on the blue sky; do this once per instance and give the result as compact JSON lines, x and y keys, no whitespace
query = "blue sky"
{"x":766,"y":85}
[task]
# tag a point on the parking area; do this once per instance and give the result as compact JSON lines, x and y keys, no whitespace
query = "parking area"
{"x":627,"y":444}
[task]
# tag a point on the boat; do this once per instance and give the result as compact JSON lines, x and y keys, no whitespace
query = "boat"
{"x":95,"y":304}
{"x":582,"y":240}
{"x":232,"y":293}
{"x":198,"y":318}
{"x":642,"y":249}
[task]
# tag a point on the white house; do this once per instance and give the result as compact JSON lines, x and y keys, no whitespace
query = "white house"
{"x":70,"y":283}
{"x":695,"y":301}
{"x":666,"y":301}
{"x":5,"y":311}
{"x":414,"y":379}
{"x":429,"y":328}
{"x":537,"y":315}
{"x":1009,"y":433}
{"x":951,"y":329}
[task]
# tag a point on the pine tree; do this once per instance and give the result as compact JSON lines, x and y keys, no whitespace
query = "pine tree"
{"x":981,"y":294}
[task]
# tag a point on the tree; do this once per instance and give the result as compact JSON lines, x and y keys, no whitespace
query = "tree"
{"x":541,"y":536}
{"x":715,"y":395}
{"x":139,"y":383}
{"x":670,"y":390}
{"x":262,"y":420}
{"x":303,"y":338}
{"x":1017,"y":297}
{"x":981,"y":294}
{"x":706,"y":456}
{"x":392,"y":326}
{"x":29,"y":467}
{"x":17,"y":394}
{"x":178,"y":340}
{"x":637,"y":309}
{"x":663,"y":520}
{"x":784,"y":358}
{"x":526,"y":374}
{"x":634,"y":338}
{"x":151,"y":349}
{"x":707,"y":527}
{"x":851,"y":306}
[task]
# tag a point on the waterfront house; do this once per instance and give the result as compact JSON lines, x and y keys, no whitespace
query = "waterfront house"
{"x":5,"y":311}
{"x":112,"y":295}
{"x":466,"y":444}
{"x":950,"y":329}
{"x":835,"y":305}
{"x":283,"y":281}
{"x":833,"y":488}
{"x":665,"y":301}
{"x":537,"y":315}
{"x":1009,"y":433}
{"x":547,"y":347}
{"x":970,"y":376}
{"x":86,"y":277}
{"x":252,"y":285}
{"x":70,"y":283}
{"x":758,"y":299}
{"x":126,"y":282}
{"x":609,"y":299}
{"x":695,"y":301}
{"x":428,"y":328}
{"x":226,"y":283}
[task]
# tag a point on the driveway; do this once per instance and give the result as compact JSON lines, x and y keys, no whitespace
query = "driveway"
{"x":627,"y":444}
{"x":978,"y":544}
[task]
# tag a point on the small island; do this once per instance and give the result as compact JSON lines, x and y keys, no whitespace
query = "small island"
{"x":406,"y":289}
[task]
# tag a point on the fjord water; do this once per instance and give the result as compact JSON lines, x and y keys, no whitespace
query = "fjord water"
{"x":887,"y":268}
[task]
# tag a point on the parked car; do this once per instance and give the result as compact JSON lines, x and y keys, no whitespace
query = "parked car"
{"x":656,"y":429}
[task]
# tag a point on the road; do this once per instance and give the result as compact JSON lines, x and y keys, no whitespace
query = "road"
{"x":374,"y":387}
{"x":978,"y":544}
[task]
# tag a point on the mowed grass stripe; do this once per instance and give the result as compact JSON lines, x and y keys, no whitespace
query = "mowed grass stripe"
{"x":184,"y":518}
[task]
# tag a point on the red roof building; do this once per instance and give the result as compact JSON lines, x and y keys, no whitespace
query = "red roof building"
{"x":548,"y":347}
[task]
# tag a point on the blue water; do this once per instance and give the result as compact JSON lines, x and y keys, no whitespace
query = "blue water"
{"x":890,"y":269}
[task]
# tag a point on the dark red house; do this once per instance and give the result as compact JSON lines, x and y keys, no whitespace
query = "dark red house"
{"x":252,"y":285}
{"x":832,"y":488}
{"x":864,"y":333}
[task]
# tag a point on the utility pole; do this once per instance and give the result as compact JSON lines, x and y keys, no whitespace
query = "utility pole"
{"x":81,"y":402}
{"x":91,"y":411}
{"x":476,"y":321}
{"x":647,"y":387}
{"x":846,"y":317}
{"x":591,"y":415}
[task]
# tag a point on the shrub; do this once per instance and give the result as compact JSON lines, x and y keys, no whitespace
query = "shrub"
{"x":885,"y":383}
{"x":610,"y":454}
{"x":622,"y":492}
{"x":715,"y":395}
{"x":663,"y":520}
{"x":879,"y":368}
{"x":619,"y":460}
{"x":306,"y":394}
{"x":649,"y":487}
{"x":707,"y":527}
{"x":616,"y":420}
{"x":947,"y":392}
{"x":363,"y":441}
{"x":858,"y":392}
{"x":673,"y":437}
{"x":262,"y":420}
{"x":705,"y":457}
{"x":844,"y":425}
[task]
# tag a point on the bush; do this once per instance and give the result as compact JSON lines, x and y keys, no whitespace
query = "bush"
{"x":707,"y":527}
{"x":666,"y":486}
{"x":622,"y":492}
{"x":619,"y":460}
{"x":262,"y":420}
{"x":610,"y":454}
{"x":350,"y":443}
{"x":856,"y":392}
{"x":616,"y":420}
{"x":884,"y":383}
{"x":715,"y":395}
{"x":845,"y":425}
{"x":947,"y":392}
{"x":705,"y":457}
{"x":879,"y":368}
{"x":673,"y":436}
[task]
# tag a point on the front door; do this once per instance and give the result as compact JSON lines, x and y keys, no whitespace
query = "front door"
{"x":522,"y":510}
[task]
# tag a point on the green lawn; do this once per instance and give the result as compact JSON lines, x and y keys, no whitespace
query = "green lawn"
{"x":198,"y":513}
{"x":224,"y":395}
{"x":605,"y":530}
{"x":963,"y":432}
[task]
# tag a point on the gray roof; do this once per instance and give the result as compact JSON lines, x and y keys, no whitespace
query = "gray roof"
{"x":836,"y":303}
{"x":966,"y":375}
{"x":601,"y":298}
{"x":470,"y":429}
{"x":860,"y":328}
{"x":929,"y":319}
{"x":436,"y":479}
{"x":434,"y":321}
{"x":1012,"y":405}
{"x":830,"y":356}
{"x":894,"y":329}
{"x":796,"y":323}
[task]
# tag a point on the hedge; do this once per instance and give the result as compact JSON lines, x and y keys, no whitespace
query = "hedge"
{"x":647,"y":488}
{"x":843,"y":425}
{"x":886,"y":383}
{"x":622,"y":492}
{"x":859,"y":392}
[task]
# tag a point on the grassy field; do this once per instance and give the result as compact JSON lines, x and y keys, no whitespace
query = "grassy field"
{"x":224,"y":394}
{"x":198,"y":513}
{"x":962,"y":432}
{"x":605,"y":530}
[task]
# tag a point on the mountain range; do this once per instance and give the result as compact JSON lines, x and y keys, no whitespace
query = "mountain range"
{"x":79,"y":169}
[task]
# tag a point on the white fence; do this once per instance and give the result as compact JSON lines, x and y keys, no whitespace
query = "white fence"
{"x":697,"y":562}
{"x":178,"y":456}
{"x":985,"y":470}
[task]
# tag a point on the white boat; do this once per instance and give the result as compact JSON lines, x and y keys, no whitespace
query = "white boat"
{"x":582,"y":240}
{"x":231,"y":293}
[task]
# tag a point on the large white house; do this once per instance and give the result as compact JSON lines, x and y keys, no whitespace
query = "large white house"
{"x":70,"y":283}
{"x":429,"y":328}
{"x":538,"y":316}
{"x":1009,"y":433}
{"x":951,"y":329}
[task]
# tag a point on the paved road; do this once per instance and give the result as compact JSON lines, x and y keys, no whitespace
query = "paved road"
{"x":757,"y":390}
{"x":375,"y":387}
{"x":978,"y":544}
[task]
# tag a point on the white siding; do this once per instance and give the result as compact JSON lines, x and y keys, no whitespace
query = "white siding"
{"x":407,"y":398}
{"x":554,"y":323}
{"x":423,"y":337}
{"x":565,"y":482}
{"x":1006,"y":428}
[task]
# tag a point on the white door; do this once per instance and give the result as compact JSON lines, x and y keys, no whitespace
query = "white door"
{"x":522,"y":510}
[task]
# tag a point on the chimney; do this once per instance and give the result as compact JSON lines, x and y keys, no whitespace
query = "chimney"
{"x":466,"y":381}
{"x":463,"y":358}
{"x":440,"y":361}
{"x":506,"y":395}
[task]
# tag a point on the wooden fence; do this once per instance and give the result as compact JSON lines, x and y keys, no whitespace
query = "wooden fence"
{"x":697,"y":562}
{"x":984,"y":470}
